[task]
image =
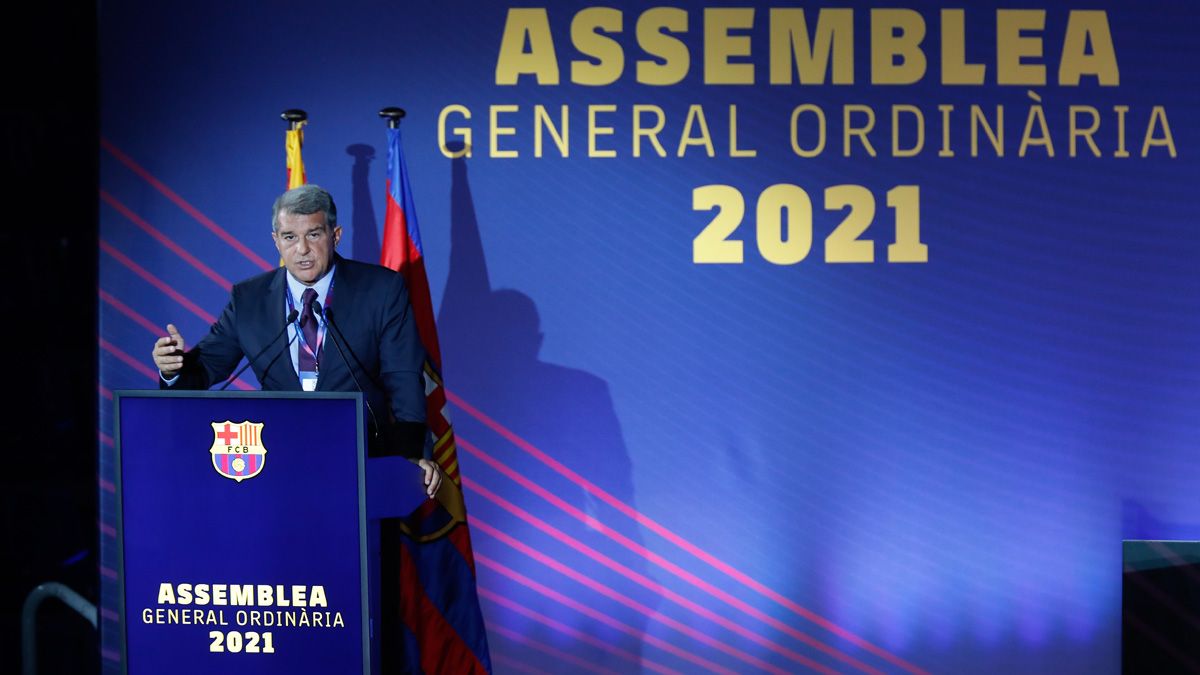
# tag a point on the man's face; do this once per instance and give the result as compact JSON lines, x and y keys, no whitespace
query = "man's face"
{"x":305,"y":243}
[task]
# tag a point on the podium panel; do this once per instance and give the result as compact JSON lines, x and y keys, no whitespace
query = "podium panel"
{"x":242,"y":533}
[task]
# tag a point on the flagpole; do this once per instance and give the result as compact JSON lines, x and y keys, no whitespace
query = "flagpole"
{"x":393,"y":116}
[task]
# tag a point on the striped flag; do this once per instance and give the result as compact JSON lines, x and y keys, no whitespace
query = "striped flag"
{"x":444,"y":631}
{"x":293,"y":142}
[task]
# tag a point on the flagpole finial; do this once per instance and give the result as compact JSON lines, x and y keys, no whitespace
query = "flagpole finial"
{"x":294,"y":117}
{"x":393,"y":115}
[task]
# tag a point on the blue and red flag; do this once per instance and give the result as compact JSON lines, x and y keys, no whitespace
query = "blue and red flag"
{"x":444,"y":631}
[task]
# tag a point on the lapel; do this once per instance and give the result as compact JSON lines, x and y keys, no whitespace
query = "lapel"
{"x":279,"y":375}
{"x":332,"y":363}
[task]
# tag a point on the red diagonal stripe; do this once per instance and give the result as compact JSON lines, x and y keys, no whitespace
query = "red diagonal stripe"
{"x":573,"y":632}
{"x":678,"y":540}
{"x":150,"y":326}
{"x":650,"y":585}
{"x":185,"y":206}
{"x":128,"y":360}
{"x":637,"y":606}
{"x":121,"y":307}
{"x":668,"y":566}
{"x":551,"y":651}
{"x":548,"y":592}
{"x":165,"y":241}
{"x":156,"y":282}
{"x":514,"y":666}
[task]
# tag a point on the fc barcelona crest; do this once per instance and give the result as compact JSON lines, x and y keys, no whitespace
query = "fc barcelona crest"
{"x":237,"y":449}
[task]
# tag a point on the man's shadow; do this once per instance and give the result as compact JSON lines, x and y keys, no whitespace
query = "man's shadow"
{"x":490,"y":343}
{"x":491,"y":339}
{"x":365,"y":240}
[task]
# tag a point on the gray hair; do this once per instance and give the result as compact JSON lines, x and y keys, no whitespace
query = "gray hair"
{"x":305,"y":200}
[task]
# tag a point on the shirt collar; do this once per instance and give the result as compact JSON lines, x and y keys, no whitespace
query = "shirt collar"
{"x":321,"y":287}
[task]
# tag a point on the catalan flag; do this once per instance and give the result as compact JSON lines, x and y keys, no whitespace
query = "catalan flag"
{"x":293,"y":143}
{"x":443,"y":626}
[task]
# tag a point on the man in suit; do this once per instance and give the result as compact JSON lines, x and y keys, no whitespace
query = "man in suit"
{"x":361,"y":308}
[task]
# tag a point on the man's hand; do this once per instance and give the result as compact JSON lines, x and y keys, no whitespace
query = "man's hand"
{"x":433,"y":476}
{"x":168,"y":355}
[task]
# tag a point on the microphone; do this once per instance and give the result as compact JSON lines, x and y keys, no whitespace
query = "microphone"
{"x":327,"y":314}
{"x":287,"y":322}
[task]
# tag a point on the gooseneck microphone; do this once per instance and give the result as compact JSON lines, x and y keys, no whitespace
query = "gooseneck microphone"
{"x":286,"y":322}
{"x":326,"y":313}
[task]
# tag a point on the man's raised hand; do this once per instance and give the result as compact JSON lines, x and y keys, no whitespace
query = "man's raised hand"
{"x":168,"y":352}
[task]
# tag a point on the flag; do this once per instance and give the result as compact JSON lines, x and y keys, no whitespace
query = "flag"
{"x":293,"y":142}
{"x":443,"y":626}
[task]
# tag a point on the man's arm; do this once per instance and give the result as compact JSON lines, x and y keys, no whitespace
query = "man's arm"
{"x":401,"y":364}
{"x":168,"y":355}
{"x":211,"y":360}
{"x":401,"y":356}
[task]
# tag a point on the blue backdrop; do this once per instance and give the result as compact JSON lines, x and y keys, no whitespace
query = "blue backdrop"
{"x":682,"y":466}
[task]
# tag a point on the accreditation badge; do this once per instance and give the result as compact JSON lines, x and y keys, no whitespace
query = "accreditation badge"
{"x":308,"y":380}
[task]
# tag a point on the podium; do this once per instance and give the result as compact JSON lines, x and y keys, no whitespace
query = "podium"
{"x":248,"y":532}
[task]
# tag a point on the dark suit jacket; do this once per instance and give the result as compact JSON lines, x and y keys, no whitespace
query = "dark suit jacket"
{"x":369,"y":305}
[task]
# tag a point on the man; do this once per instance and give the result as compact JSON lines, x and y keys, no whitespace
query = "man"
{"x":363,"y":308}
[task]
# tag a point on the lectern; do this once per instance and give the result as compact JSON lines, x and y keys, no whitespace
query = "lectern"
{"x":247,"y":527}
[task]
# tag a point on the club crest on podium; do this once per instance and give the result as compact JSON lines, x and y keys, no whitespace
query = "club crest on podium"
{"x":237,"y":449}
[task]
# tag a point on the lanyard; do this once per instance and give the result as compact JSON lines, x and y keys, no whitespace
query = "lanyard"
{"x":321,"y":326}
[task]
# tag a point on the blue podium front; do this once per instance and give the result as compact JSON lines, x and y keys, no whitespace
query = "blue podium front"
{"x":243,"y":533}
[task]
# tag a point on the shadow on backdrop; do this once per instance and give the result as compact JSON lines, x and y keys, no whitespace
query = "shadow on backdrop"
{"x":1139,"y":522}
{"x":365,"y":239}
{"x":490,"y":342}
